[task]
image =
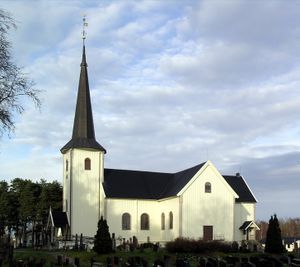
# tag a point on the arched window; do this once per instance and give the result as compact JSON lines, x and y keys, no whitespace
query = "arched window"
{"x":67,"y":165}
{"x":162,"y":221}
{"x":144,"y":221}
{"x":126,"y":221}
{"x":207,"y":187}
{"x":87,"y":164}
{"x":171,"y":220}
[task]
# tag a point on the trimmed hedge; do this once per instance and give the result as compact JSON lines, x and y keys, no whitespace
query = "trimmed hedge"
{"x":188,"y":245}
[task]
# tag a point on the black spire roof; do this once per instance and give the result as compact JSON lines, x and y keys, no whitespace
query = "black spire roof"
{"x":83,"y":127}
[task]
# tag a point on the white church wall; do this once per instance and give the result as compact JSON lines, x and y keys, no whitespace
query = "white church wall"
{"x":66,"y":181}
{"x":85,"y":188}
{"x":167,"y":206}
{"x":116,"y":207}
{"x":201,"y":209}
{"x":243,"y":212}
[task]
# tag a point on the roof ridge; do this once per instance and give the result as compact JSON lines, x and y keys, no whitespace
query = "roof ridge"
{"x":138,"y":171}
{"x":198,"y":165}
{"x":174,"y":175}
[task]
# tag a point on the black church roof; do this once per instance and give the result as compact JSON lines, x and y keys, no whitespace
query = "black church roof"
{"x":60,"y":218}
{"x":146,"y":185}
{"x":239,"y":185}
{"x":245,"y":225}
{"x":179,"y":180}
{"x":157,"y":185}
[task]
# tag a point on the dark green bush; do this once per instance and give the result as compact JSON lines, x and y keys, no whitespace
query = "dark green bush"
{"x":188,"y":245}
{"x":103,"y":241}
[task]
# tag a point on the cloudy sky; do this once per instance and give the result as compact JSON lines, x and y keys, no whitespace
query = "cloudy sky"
{"x":173,"y":83}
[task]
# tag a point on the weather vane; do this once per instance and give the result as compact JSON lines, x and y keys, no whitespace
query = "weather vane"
{"x":84,"y":26}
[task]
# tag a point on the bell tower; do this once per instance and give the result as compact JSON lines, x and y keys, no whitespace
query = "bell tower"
{"x":83,"y":170}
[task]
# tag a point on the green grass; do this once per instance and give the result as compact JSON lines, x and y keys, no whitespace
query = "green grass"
{"x":85,"y":257}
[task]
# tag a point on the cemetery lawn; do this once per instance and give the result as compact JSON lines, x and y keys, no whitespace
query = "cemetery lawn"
{"x":85,"y":257}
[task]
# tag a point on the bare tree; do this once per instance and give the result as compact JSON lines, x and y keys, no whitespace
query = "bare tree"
{"x":14,"y":84}
{"x":290,"y":227}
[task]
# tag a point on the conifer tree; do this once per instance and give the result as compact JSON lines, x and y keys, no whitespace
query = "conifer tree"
{"x":274,"y":240}
{"x":103,"y":241}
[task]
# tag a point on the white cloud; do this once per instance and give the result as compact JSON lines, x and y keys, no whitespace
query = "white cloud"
{"x":172,"y":85}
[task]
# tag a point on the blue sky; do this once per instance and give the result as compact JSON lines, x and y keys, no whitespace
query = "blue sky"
{"x":173,"y":83}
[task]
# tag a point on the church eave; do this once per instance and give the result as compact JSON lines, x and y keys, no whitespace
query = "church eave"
{"x":82,"y":143}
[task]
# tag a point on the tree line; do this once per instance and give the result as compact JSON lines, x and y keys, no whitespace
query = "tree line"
{"x":290,"y":227}
{"x":24,"y":208}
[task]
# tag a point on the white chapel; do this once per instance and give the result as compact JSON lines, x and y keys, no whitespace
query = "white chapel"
{"x":198,"y":202}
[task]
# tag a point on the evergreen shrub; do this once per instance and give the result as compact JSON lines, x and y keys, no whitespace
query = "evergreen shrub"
{"x":274,"y":240}
{"x":103,"y":241}
{"x":188,"y":245}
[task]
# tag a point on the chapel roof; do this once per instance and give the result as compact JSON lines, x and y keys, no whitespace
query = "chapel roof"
{"x":59,"y":218}
{"x":144,"y":184}
{"x":135,"y":184}
{"x":248,"y":224}
{"x":239,"y":185}
{"x":83,"y":128}
{"x":157,"y":185}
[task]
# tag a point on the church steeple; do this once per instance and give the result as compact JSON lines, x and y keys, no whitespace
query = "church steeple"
{"x":83,"y":128}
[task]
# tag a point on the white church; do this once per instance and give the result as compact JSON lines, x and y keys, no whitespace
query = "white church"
{"x":198,"y":202}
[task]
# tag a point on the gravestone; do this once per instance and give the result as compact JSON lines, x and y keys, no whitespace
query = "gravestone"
{"x":135,"y":242}
{"x":109,"y":262}
{"x":76,"y":261}
{"x":92,"y":261}
{"x":59,"y":260}
{"x":182,"y":262}
{"x":76,"y":242}
{"x":158,"y":263}
{"x":212,"y":262}
{"x":113,"y":239}
{"x":116,"y":260}
{"x":81,"y":245}
{"x":144,"y":263}
{"x":232,"y":261}
{"x":222,"y":263}
{"x":202,"y":262}
{"x":167,"y":261}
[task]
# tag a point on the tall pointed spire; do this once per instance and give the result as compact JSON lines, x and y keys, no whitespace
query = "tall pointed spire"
{"x":83,"y":128}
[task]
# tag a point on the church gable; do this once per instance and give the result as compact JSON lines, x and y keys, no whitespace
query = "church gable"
{"x":208,"y":175}
{"x":180,"y":180}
